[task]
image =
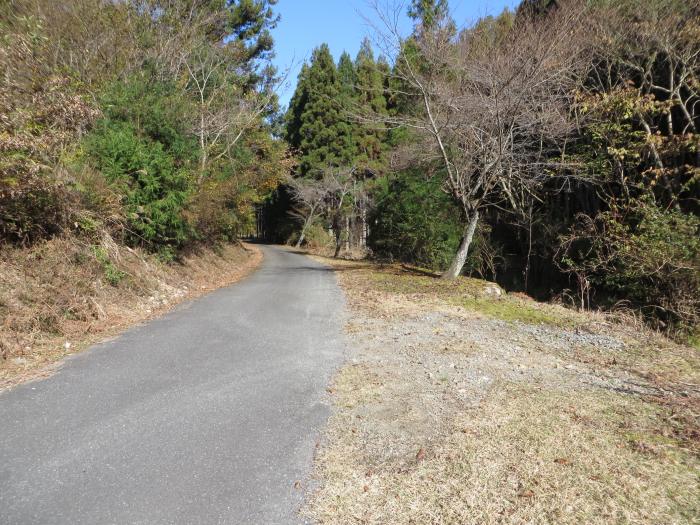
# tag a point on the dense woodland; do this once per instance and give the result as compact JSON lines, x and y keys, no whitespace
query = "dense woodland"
{"x":553,"y":149}
{"x":150,"y":121}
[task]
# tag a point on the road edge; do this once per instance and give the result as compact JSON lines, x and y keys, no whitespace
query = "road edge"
{"x":249,"y":267}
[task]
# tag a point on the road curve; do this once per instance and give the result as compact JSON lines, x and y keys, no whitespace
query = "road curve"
{"x":207,"y":415}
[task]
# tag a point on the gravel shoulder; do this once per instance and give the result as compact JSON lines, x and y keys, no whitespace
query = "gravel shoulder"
{"x":460,"y":404}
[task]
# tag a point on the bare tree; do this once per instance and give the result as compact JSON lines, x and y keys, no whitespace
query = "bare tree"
{"x":340,"y":185}
{"x":212,"y":74}
{"x":310,"y":196}
{"x":225,"y":110}
{"x":493,"y":109}
{"x":338,"y":196}
{"x":656,"y":45}
{"x":361,"y":203}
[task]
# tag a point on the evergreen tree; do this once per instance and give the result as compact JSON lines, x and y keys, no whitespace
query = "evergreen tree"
{"x":315,"y":124}
{"x":347,"y":76}
{"x":347,"y":126}
{"x":428,"y":13}
{"x":244,"y":23}
{"x":250,"y":23}
{"x":292,"y":118}
{"x":371,"y":100}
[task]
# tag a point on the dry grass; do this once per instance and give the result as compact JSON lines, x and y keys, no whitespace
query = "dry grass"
{"x":521,"y":456}
{"x":63,"y":295}
{"x":452,"y":412}
{"x":472,"y":294}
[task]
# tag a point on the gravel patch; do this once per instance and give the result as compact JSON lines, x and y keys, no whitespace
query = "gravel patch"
{"x":445,"y":415}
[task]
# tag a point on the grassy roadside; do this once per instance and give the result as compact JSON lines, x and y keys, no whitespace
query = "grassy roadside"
{"x":462,"y":406}
{"x":60,"y":297}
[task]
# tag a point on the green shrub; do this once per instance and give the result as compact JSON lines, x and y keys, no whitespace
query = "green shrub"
{"x":643,"y":254}
{"x":112,"y":274}
{"x":157,"y":110}
{"x":317,"y":236}
{"x":415,"y":221}
{"x":154,"y":190}
{"x":141,"y":148}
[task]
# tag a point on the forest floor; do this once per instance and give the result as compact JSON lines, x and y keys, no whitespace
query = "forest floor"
{"x":458,"y":405}
{"x":62,"y":296}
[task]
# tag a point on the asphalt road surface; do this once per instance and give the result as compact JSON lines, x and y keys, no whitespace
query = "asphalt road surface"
{"x":209,"y":414}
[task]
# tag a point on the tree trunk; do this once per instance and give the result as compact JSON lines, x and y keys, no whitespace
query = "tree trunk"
{"x":301,"y":237}
{"x":307,"y":222}
{"x":363,"y":232}
{"x":303,"y":233}
{"x":460,"y":258}
{"x":338,"y":244}
{"x":348,"y":231}
{"x":338,"y":233}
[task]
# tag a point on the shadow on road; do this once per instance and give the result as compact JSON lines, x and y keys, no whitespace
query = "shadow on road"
{"x":326,"y":268}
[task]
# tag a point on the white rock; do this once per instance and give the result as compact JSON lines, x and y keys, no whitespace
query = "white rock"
{"x":493,"y":290}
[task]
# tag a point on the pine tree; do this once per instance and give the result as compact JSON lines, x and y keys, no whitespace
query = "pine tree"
{"x":243,"y":23}
{"x":315,"y":123}
{"x":371,"y":100}
{"x":347,"y":126}
{"x":428,"y":13}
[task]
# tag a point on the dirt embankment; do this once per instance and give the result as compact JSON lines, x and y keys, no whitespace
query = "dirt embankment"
{"x":463,"y":405}
{"x":61,"y":296}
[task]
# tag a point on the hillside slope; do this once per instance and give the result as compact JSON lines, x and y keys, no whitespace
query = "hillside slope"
{"x":62,"y":295}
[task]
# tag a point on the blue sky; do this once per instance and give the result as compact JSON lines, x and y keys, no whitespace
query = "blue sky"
{"x":306,"y":24}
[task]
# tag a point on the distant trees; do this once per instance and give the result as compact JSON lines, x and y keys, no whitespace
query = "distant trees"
{"x":369,"y":98}
{"x":336,"y":149}
{"x":553,"y":147}
{"x":316,"y":126}
{"x":309,"y":196}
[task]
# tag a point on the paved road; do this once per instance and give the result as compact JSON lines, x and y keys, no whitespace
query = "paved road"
{"x":206,"y":415}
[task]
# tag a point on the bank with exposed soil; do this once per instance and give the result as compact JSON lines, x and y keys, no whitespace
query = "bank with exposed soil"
{"x":62,"y":295}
